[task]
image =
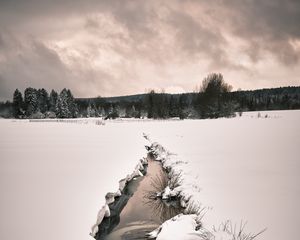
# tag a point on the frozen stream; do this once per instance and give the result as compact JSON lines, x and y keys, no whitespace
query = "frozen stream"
{"x":135,"y":213}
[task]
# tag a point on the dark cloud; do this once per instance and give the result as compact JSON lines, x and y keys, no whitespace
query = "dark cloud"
{"x":1,"y":42}
{"x":93,"y":46}
{"x":269,"y":25}
{"x":194,"y":38}
{"x":30,"y":64}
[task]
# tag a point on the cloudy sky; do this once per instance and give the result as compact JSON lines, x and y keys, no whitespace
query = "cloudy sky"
{"x":120,"y":47}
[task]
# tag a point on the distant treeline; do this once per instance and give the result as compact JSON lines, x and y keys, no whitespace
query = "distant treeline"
{"x":214,"y":100}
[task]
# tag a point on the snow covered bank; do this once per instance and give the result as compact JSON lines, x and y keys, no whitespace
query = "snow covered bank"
{"x":247,"y":168}
{"x":54,"y":177}
{"x":119,"y":196}
{"x":180,"y":186}
{"x":97,"y":121}
{"x":178,"y":227}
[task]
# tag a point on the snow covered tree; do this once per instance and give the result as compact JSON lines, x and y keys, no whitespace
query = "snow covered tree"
{"x":62,"y":108}
{"x":65,"y":105}
{"x":71,"y":104}
{"x":43,"y":100}
{"x":149,"y":102}
{"x":113,"y":112}
{"x":101,"y":112}
{"x":131,"y":112}
{"x":110,"y":110}
{"x":173,"y":107}
{"x":17,"y":104}
{"x":91,"y":111}
{"x":116,"y":112}
{"x":52,"y":100}
{"x":30,"y":101}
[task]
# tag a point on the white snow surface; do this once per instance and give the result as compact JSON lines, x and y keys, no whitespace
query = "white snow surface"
{"x":178,"y":227}
{"x":54,"y":176}
{"x":247,"y":168}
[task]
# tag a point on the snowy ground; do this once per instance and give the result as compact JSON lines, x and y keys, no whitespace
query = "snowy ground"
{"x":247,"y":168}
{"x":53,"y":176}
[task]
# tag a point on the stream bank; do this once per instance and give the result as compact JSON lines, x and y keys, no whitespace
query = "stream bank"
{"x":137,"y":211}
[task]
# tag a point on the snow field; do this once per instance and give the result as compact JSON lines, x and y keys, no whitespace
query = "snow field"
{"x":54,"y":176}
{"x":247,"y":169}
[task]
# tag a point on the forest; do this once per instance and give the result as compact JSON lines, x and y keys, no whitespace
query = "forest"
{"x":214,"y":99}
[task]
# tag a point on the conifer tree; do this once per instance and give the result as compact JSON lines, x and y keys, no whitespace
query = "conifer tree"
{"x":91,"y":112}
{"x":52,"y":100}
{"x":62,"y":108}
{"x":71,"y":103}
{"x":17,"y":104}
{"x":43,"y":100}
{"x":30,"y":101}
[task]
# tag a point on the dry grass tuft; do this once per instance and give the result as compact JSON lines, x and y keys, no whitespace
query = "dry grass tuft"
{"x":175,"y":180}
{"x":232,"y":231}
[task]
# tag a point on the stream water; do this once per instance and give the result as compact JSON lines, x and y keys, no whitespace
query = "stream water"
{"x":137,"y":211}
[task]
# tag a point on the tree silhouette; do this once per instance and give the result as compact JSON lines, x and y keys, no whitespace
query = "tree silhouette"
{"x":18,"y":104}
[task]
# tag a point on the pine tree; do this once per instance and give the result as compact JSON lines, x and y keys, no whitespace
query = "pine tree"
{"x":52,"y":100}
{"x":173,"y":107}
{"x":134,"y":112}
{"x":150,"y":104}
{"x":110,"y":110}
{"x":71,"y":103}
{"x":116,"y":112}
{"x":30,"y":101}
{"x":101,"y":112}
{"x":43,"y":100}
{"x":62,"y":108}
{"x":91,"y":110}
{"x":17,"y":104}
{"x":131,"y":112}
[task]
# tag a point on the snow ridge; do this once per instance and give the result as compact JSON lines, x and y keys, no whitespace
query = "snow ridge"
{"x":188,"y":226}
{"x":184,"y":226}
{"x":139,"y":170}
{"x":181,"y":188}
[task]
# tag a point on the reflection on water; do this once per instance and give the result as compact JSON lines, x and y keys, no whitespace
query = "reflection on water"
{"x":138,"y":211}
{"x":109,"y":223}
{"x":165,"y":209}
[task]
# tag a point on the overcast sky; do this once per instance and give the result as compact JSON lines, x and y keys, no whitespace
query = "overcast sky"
{"x":120,"y":47}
